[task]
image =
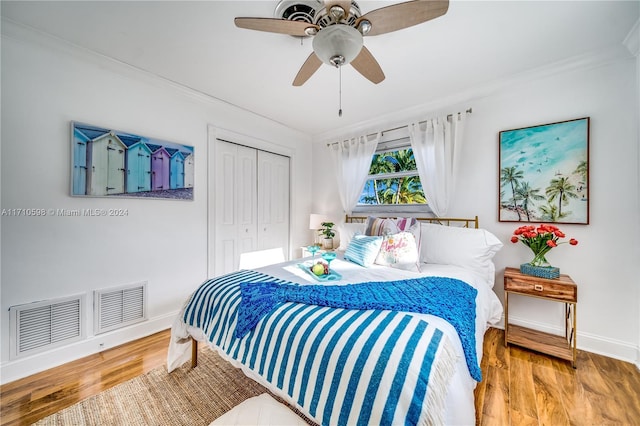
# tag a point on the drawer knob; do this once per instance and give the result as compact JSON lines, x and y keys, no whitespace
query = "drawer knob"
{"x":538,"y":287}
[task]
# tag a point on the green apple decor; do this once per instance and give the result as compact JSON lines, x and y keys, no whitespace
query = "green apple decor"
{"x":320,"y":269}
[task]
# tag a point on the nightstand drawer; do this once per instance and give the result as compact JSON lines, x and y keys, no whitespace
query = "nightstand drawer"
{"x":561,"y":291}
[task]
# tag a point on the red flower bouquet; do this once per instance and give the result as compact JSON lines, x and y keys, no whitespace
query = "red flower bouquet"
{"x":540,"y":240}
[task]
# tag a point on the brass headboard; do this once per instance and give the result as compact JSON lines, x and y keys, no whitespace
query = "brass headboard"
{"x":446,"y":221}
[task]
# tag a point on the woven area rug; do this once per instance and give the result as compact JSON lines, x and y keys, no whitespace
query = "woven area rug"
{"x":185,"y":397}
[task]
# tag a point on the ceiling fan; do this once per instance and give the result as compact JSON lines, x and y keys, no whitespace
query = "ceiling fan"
{"x":338,"y":27}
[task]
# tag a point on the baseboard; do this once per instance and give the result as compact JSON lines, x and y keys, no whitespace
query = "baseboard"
{"x":20,"y":368}
{"x":17,"y":369}
{"x":589,"y":342}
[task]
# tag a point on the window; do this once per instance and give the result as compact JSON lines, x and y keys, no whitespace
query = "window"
{"x":393,"y":179}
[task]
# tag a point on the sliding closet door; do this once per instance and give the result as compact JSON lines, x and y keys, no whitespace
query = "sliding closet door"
{"x":273,"y":201}
{"x":235,"y":193}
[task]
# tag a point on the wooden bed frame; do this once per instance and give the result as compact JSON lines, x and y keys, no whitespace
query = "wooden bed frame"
{"x":445,"y":221}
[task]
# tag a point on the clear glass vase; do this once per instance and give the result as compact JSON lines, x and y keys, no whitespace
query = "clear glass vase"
{"x":539,"y":259}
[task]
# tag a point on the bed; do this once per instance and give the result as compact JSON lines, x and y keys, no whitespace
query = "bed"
{"x":404,"y":345}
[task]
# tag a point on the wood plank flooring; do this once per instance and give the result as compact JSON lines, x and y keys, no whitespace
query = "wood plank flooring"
{"x":28,"y":400}
{"x":520,"y":387}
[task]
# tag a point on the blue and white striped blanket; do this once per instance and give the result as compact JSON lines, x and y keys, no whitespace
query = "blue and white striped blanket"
{"x":339,"y":366}
{"x":448,"y":298}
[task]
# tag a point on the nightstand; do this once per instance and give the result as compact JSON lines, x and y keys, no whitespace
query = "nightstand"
{"x":562,"y":290}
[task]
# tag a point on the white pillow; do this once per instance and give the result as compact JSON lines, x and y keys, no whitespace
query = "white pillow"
{"x":399,"y":251}
{"x":466,"y":247}
{"x":410,"y":224}
{"x":347,"y":231}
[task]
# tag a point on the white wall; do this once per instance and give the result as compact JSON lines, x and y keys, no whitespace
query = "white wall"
{"x":632,"y":42}
{"x":45,"y":85}
{"x":605,"y":263}
{"x":636,"y":31}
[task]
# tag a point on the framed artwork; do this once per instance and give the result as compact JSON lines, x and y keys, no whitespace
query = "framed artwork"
{"x":544,"y":173}
{"x":112,"y":163}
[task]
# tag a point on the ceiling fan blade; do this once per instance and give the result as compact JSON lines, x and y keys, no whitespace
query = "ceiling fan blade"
{"x":367,"y":65}
{"x":403,"y":15}
{"x":274,"y":25}
{"x":309,"y":67}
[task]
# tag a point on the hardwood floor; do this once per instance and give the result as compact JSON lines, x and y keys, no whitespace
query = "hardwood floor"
{"x":520,"y":387}
{"x":30,"y":399}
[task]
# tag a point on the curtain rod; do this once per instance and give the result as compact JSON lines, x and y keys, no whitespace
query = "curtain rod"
{"x":468,"y":111}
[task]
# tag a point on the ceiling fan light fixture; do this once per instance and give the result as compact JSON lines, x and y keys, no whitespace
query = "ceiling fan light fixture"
{"x":337,"y":44}
{"x":364,"y":27}
{"x":337,"y":61}
{"x":337,"y":12}
{"x":338,"y":27}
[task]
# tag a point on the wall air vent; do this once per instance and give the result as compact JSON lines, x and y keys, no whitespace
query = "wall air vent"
{"x":298,"y":10}
{"x":119,"y":307}
{"x":40,"y":326}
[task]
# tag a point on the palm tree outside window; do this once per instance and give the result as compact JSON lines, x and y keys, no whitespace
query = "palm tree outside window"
{"x":393,"y":180}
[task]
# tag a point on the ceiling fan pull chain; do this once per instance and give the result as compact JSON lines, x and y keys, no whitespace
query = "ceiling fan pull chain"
{"x":340,"y":92}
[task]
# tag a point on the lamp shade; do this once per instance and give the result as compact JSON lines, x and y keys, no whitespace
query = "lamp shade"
{"x":315,"y":220}
{"x":337,"y":44}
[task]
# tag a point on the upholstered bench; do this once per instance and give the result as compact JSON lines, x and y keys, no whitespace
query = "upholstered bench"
{"x":260,"y":410}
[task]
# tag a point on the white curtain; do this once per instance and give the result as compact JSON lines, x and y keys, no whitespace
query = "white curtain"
{"x":436,"y":146}
{"x":352,"y":160}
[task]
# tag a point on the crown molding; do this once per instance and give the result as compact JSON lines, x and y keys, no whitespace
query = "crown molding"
{"x":462,"y":100}
{"x":25,"y":34}
{"x":21,"y":33}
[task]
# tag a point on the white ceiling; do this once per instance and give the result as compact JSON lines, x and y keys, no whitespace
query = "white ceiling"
{"x":195,"y":44}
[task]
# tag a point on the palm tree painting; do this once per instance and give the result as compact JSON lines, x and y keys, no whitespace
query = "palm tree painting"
{"x":544,"y":173}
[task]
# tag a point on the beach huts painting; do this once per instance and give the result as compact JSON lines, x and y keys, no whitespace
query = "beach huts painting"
{"x":544,"y":173}
{"x":160,"y":168}
{"x":176,"y":169}
{"x":138,"y":165}
{"x":108,"y":162}
{"x":188,"y":171}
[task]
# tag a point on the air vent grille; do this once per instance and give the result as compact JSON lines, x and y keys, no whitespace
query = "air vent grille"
{"x":117,"y":308}
{"x":40,"y":326}
{"x":298,"y":10}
